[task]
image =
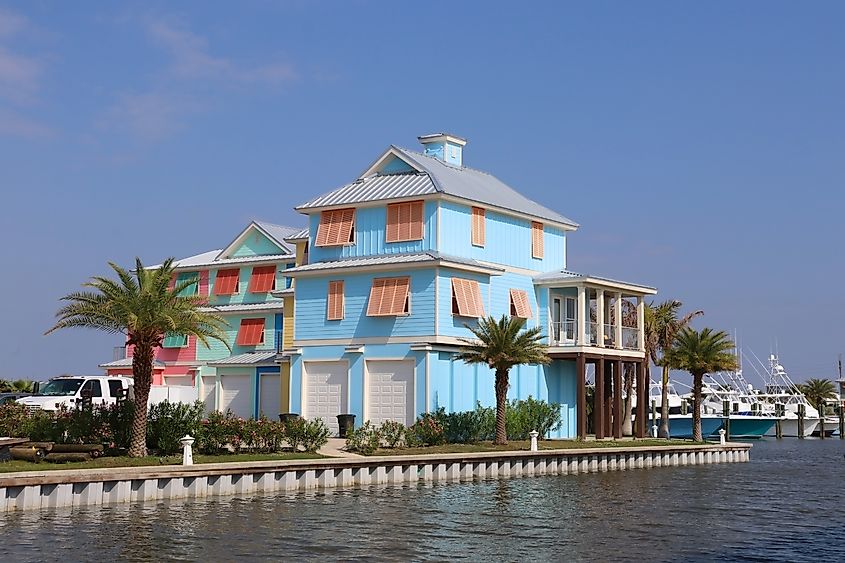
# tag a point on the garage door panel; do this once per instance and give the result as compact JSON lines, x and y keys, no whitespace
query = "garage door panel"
{"x":326,"y":391}
{"x":208,"y":385}
{"x":271,"y":385}
{"x":236,"y":394}
{"x":390,"y":393}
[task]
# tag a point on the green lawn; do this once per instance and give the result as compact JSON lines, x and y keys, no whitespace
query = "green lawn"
{"x":107,"y":462}
{"x":523,"y":445}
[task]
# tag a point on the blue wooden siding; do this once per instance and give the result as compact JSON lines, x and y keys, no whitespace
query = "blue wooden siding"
{"x":256,"y":244}
{"x":453,"y":325}
{"x":244,"y":296}
{"x":508,"y":239}
{"x":500,"y":303}
{"x":311,"y":297}
{"x":456,"y":386}
{"x":370,"y":224}
{"x":395,"y":165}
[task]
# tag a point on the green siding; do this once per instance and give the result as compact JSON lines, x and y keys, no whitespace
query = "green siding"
{"x":256,"y":244}
{"x":217,"y":350}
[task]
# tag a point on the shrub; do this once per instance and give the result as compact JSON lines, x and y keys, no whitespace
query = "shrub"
{"x":315,"y":435}
{"x":427,"y":431}
{"x":392,"y":433}
{"x":168,"y":422}
{"x":365,"y":439}
{"x":295,"y":433}
{"x":214,"y":433}
{"x":524,"y":416}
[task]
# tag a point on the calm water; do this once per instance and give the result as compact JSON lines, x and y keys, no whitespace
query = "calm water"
{"x":784,"y":505}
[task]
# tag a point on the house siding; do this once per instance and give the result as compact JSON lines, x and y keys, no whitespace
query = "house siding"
{"x":370,"y":227}
{"x":244,"y":296}
{"x":216,"y":350}
{"x":508,"y":239}
{"x":311,"y":296}
{"x":256,"y":244}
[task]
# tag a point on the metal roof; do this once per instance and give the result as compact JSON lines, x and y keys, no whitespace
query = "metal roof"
{"x":299,"y":235}
{"x":435,"y":176}
{"x":208,"y":259}
{"x":247,"y":359}
{"x":393,"y":259}
{"x":375,"y":188}
{"x":245,"y":307}
{"x":279,"y":233}
{"x":566,"y":275}
{"x":127,"y":363}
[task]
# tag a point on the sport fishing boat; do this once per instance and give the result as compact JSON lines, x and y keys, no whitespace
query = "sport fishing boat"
{"x":680,"y":420}
{"x":747,"y":419}
{"x":780,"y":390}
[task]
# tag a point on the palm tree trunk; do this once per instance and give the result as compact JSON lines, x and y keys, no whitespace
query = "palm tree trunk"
{"x":501,"y":405}
{"x":142,"y":373}
{"x":696,"y":407}
{"x":663,"y":432}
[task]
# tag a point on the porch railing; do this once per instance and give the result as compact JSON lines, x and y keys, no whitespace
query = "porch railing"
{"x":565,"y":333}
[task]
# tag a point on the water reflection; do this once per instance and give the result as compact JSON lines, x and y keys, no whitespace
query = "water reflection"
{"x":783,"y":505}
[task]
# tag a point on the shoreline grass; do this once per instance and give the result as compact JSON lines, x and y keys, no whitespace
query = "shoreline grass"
{"x":15,"y":465}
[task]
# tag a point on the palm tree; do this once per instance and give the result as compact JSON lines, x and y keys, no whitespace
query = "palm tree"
{"x":818,"y":391}
{"x":22,"y":386}
{"x":661,"y":326}
{"x":501,"y":345}
{"x":144,"y":307}
{"x":700,"y":353}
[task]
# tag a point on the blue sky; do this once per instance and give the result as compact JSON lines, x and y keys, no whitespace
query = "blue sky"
{"x":700,"y":146}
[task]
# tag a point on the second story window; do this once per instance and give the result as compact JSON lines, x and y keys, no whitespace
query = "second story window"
{"x":263,"y":279}
{"x":334,"y":303}
{"x":227,"y":281}
{"x":389,"y":297}
{"x":536,"y":239}
{"x":404,"y":221}
{"x":478,"y":226}
{"x":191,"y":288}
{"x":251,"y":332}
{"x":466,"y":298}
{"x":520,"y":306}
{"x":337,"y":227}
{"x":172,"y":340}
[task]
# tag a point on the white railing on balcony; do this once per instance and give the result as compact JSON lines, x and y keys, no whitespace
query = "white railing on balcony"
{"x":629,"y":338}
{"x":565,"y":333}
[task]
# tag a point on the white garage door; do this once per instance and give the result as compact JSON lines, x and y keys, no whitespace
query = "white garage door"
{"x":390,"y":391}
{"x":271,"y":387}
{"x":236,"y":394}
{"x":207,"y":392}
{"x":326,"y":393}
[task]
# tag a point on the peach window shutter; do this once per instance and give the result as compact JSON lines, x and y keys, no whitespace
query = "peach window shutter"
{"x":468,"y":296}
{"x":334,"y":308}
{"x":226,"y":282}
{"x":263,"y":279}
{"x":250,"y":332}
{"x":388,"y":297}
{"x":404,"y":221}
{"x":536,"y":239}
{"x":335,"y":227}
{"x":478,"y":226}
{"x":521,"y":305}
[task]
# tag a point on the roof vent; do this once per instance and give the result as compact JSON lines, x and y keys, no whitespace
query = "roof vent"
{"x":444,"y":146}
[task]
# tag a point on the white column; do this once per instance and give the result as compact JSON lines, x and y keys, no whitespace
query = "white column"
{"x":600,"y":318}
{"x":641,"y":324}
{"x":580,"y":315}
{"x":617,"y":325}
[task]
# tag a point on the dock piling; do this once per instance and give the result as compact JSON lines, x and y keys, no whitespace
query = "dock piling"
{"x":800,"y":422}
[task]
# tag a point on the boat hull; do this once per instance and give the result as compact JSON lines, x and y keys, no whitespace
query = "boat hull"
{"x":789,"y":427}
{"x":680,"y":426}
{"x":750,"y":427}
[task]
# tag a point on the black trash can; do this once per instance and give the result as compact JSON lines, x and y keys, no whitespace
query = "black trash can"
{"x":346,"y":424}
{"x":288,"y":416}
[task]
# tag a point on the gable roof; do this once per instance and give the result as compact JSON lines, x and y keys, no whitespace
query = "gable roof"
{"x":276,"y":233}
{"x":434,"y":176}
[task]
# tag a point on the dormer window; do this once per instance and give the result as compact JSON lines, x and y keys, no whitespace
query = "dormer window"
{"x":337,"y":227}
{"x":404,"y":221}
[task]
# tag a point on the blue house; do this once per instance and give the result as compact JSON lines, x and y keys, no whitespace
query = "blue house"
{"x":398,"y":262}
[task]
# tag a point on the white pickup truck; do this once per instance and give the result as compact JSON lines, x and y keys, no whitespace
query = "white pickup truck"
{"x":70,"y":390}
